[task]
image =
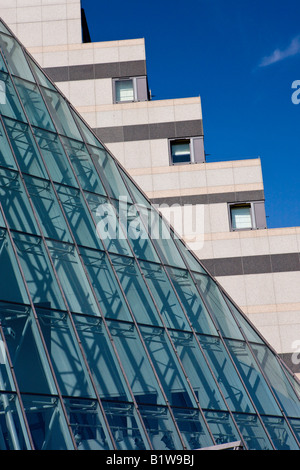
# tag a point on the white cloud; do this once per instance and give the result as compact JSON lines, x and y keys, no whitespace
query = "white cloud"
{"x":278,"y":55}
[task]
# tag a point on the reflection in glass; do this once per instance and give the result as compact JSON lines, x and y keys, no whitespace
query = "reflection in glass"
{"x":13,"y":434}
{"x":160,"y":428}
{"x":14,"y":57}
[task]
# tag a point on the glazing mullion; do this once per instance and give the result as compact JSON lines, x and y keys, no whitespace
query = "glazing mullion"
{"x":130,"y":310}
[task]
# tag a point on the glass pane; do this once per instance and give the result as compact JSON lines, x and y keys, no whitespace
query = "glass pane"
{"x":295,"y":423}
{"x":25,"y":148}
{"x":47,"y":423}
{"x":253,"y":433}
{"x":9,"y":104}
{"x":252,"y":378}
{"x":135,"y":290}
{"x":87,"y":425}
{"x":125,"y":426}
{"x":27,"y":353}
{"x":12,"y":287}
{"x":79,"y":219}
{"x":15,"y":57}
{"x":275,"y":374}
{"x":15,"y":203}
{"x":168,"y":368}
{"x":161,"y":428}
{"x":3,"y":29}
{"x":124,"y":90}
{"x":64,"y":353}
{"x":222,"y":427}
{"x":108,"y":228}
{"x":280,"y":434}
{"x":105,"y":285}
{"x":39,"y":75}
{"x":192,"y":428}
{"x":241,"y":217}
{"x":109,"y":173}
{"x":61,"y":114}
{"x":191,"y":301}
{"x":72,"y":278}
{"x":180,"y":151}
{"x":217,"y":306}
{"x":102,"y":360}
{"x":88,"y":135}
{"x":6,"y":156}
{"x":34,"y":105}
{"x":198,"y":371}
{"x":38,"y":273}
{"x":226,"y":375}
{"x":135,"y":231}
{"x":55,"y":157}
{"x":13,"y":435}
{"x":249,"y":332}
{"x":165,"y":298}
{"x":47,"y":208}
{"x":136,"y":364}
{"x":83,"y":166}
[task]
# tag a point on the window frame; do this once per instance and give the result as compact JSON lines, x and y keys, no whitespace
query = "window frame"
{"x":252,"y":206}
{"x":134,"y":80}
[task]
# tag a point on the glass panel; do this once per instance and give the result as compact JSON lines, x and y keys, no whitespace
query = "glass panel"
{"x":13,"y":435}
{"x":101,"y":358}
{"x":217,"y":306}
{"x":295,"y":423}
{"x":197,"y":371}
{"x":47,"y":423}
{"x":12,"y":287}
{"x":61,"y":114}
{"x":252,"y":378}
{"x":64,"y":353}
{"x":124,"y":90}
{"x":222,"y":427}
{"x":55,"y":157}
{"x":168,"y":369}
{"x":27,"y":353}
{"x":253,"y":432}
{"x":6,"y":379}
{"x":38,"y":273}
{"x":47,"y":208}
{"x":180,"y":151}
{"x":125,"y":426}
{"x":226,"y":375}
{"x":87,"y":425}
{"x":83,"y":166}
{"x":136,"y":364}
{"x":34,"y":105}
{"x":160,"y":428}
{"x":39,"y":75}
{"x":3,"y":29}
{"x":25,"y":149}
{"x":280,"y":434}
{"x":80,"y":221}
{"x":189,"y":257}
{"x":191,"y":301}
{"x":135,"y":231}
{"x":15,"y":57}
{"x":105,"y":284}
{"x":72,"y":278}
{"x":108,"y":228}
{"x":165,"y":298}
{"x":109,"y":172}
{"x":15,"y":203}
{"x":162,"y":237}
{"x":248,"y":330}
{"x":88,"y":135}
{"x":275,"y":374}
{"x":192,"y":428}
{"x":241,"y":217}
{"x":135,"y":290}
{"x":6,"y":156}
{"x":9,"y":104}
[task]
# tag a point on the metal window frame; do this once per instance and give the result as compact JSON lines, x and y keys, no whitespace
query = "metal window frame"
{"x":249,"y":204}
{"x":134,"y":85}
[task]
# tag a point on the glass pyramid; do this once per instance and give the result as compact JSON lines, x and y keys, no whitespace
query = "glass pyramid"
{"x":112,"y":334}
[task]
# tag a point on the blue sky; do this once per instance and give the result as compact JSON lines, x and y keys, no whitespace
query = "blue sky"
{"x":241,"y":57}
